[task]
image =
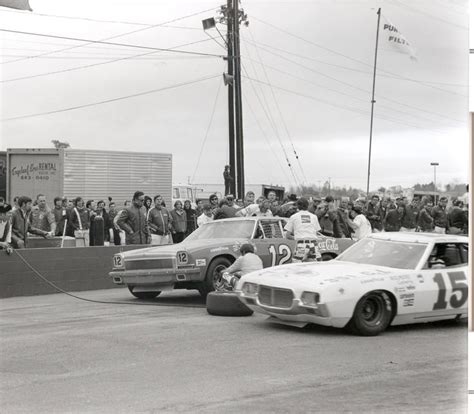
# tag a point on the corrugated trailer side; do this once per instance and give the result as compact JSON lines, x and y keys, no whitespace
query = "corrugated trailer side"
{"x":97,"y":175}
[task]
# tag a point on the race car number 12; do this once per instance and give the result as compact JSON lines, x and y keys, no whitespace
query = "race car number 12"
{"x":458,"y":284}
{"x":283,"y":250}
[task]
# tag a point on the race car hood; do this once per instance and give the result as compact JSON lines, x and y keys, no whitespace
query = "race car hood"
{"x":221,"y":245}
{"x":315,"y":274}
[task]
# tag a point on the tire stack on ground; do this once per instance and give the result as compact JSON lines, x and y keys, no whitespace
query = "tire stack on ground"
{"x":226,"y":304}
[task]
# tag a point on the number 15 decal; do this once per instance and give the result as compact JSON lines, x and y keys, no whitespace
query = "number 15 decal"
{"x":283,"y":250}
{"x":458,"y":284}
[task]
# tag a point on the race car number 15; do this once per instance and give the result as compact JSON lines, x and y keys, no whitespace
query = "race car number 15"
{"x":458,"y":284}
{"x":284,"y":254}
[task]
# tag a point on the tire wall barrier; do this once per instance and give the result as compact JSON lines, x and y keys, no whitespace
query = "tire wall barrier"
{"x":71,"y":269}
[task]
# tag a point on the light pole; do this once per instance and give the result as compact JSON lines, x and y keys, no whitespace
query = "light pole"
{"x":434,"y":165}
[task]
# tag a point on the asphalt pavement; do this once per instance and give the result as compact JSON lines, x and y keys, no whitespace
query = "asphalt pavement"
{"x":63,"y":355}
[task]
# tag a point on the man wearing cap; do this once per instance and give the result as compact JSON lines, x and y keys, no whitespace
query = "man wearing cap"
{"x":246,"y":263}
{"x":303,"y":226}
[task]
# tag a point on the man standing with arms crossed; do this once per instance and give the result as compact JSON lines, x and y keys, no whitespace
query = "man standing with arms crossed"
{"x":303,"y":226}
{"x":132,"y":221}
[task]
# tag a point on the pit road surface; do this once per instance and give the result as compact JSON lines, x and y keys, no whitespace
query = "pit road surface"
{"x":61,"y":355}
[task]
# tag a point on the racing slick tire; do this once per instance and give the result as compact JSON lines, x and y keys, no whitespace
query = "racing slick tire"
{"x":213,"y":275}
{"x":325,"y":257}
{"x":372,"y":314}
{"x":226,"y":304}
{"x":144,"y":295}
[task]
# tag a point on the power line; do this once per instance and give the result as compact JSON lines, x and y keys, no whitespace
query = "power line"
{"x":207,"y":130}
{"x":112,"y":100}
{"x":97,"y":64}
{"x":416,"y":10}
{"x":88,"y":19}
{"x":266,"y":137}
{"x":349,"y":57}
{"x":360,"y":89}
{"x":349,"y":95}
{"x":280,"y":113}
{"x":272,"y":123}
{"x":306,"y":57}
{"x":111,"y":43}
{"x":351,"y":109}
{"x":107,"y":38}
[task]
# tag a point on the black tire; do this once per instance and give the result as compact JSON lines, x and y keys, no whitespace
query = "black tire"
{"x":213,"y":275}
{"x":144,"y":295}
{"x":325,"y":257}
{"x":226,"y":304}
{"x":372,"y":314}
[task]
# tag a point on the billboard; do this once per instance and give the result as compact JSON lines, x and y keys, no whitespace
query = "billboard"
{"x":33,"y":174}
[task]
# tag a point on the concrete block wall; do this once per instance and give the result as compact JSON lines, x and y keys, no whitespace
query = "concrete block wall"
{"x":71,"y":269}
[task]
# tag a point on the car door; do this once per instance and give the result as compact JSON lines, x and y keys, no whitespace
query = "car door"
{"x":271,"y":246}
{"x":441,"y":290}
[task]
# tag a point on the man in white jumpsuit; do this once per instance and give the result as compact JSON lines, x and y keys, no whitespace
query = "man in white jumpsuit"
{"x":303,"y":226}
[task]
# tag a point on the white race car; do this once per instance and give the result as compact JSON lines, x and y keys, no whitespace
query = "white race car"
{"x":384,"y":279}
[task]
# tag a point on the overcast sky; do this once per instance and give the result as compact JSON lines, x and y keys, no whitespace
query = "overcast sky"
{"x":307,"y":79}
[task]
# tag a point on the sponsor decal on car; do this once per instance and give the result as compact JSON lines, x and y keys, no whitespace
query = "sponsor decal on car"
{"x":219,"y":249}
{"x":408,"y":299}
{"x":200,"y":262}
{"x":328,"y":244}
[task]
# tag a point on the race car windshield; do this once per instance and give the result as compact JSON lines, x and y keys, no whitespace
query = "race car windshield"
{"x":223,"y":230}
{"x":398,"y":255}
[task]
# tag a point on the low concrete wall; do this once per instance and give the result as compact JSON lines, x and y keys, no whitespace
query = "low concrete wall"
{"x":71,"y":269}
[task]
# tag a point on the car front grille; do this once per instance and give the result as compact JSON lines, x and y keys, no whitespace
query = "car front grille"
{"x":276,"y":297}
{"x":149,"y":264}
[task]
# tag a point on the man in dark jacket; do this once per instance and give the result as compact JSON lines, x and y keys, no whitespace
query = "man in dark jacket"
{"x":343,"y":216}
{"x":132,"y":221}
{"x":374,"y":214}
{"x":410,"y":217}
{"x":159,"y":221}
{"x":327,"y":217}
{"x":21,"y":225}
{"x":440,"y":216}
{"x":457,"y":219}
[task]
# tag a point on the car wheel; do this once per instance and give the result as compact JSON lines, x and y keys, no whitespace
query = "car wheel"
{"x":144,"y":295}
{"x":325,"y":257}
{"x":226,"y":304}
{"x":213,"y":275}
{"x":372,"y":314}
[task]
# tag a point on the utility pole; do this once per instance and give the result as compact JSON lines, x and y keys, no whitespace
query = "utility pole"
{"x":239,"y":138}
{"x":230,"y":98}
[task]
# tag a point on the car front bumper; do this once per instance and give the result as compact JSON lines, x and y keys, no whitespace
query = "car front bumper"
{"x":155,"y":276}
{"x":297,"y":312}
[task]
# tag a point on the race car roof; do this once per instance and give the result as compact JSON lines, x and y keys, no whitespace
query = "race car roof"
{"x":420,"y":237}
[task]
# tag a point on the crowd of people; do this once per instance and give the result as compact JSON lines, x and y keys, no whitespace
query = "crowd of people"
{"x":147,"y":220}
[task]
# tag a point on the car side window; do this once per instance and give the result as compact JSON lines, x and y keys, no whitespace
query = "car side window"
{"x":464,"y":250}
{"x":271,"y":229}
{"x":445,"y":255}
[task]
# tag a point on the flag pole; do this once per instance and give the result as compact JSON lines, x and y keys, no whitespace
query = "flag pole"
{"x":373,"y":99}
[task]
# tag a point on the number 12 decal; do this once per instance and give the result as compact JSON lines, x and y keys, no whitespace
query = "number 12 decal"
{"x":283,"y":250}
{"x":457,"y":280}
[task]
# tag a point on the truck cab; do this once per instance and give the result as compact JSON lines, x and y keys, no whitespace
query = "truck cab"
{"x":182,"y":192}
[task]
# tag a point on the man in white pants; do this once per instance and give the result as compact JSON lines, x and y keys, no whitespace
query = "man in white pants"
{"x":303,"y":226}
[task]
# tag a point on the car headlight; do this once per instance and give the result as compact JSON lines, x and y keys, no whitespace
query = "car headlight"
{"x":310,"y":299}
{"x":118,"y":261}
{"x":182,"y":258}
{"x":250,"y":288}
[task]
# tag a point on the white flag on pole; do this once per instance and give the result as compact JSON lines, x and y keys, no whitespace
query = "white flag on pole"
{"x":16,"y":4}
{"x":393,"y":39}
